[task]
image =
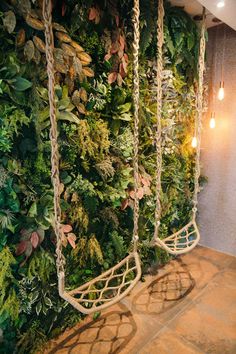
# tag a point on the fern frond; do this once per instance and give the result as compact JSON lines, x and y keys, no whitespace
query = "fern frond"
{"x":41,"y":265}
{"x":94,"y":249}
{"x":118,"y":243}
{"x":105,"y":169}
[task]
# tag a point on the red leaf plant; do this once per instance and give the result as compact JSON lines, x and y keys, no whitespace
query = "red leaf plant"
{"x":117,"y":44}
{"x":119,"y":59}
{"x":68,"y":236}
{"x":94,"y":14}
{"x":30,"y":239}
{"x":143,"y":190}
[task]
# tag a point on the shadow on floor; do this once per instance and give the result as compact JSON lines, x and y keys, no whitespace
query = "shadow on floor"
{"x":165,"y":291}
{"x":110,"y":333}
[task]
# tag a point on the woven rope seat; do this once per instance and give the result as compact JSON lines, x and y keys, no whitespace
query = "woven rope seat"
{"x":185,"y":239}
{"x":115,"y":283}
{"x":106,"y":289}
{"x":182,"y":241}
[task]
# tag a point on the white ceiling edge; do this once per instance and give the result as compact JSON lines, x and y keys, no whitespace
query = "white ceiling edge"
{"x":226,"y":14}
{"x":193,"y":8}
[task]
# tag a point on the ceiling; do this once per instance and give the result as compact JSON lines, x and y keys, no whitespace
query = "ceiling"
{"x":226,"y":14}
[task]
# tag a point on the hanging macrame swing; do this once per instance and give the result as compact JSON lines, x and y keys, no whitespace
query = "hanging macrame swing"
{"x":114,"y":284}
{"x":187,"y":237}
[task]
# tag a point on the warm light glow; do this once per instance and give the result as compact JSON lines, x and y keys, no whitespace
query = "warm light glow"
{"x":212,"y":123}
{"x":221,"y":4}
{"x":221,"y":93}
{"x":194,"y":142}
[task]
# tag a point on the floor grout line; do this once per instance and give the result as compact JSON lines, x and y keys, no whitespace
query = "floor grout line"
{"x":201,"y":291}
{"x":152,"y":338}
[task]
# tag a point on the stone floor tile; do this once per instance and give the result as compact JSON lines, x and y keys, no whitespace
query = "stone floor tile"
{"x":219,"y":259}
{"x":226,"y":279}
{"x":232,"y":265}
{"x":167,"y":342}
{"x":210,"y":322}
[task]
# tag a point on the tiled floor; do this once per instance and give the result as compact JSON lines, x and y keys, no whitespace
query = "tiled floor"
{"x":188,"y":307}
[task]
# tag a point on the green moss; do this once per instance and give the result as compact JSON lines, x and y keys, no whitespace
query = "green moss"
{"x":9,"y":304}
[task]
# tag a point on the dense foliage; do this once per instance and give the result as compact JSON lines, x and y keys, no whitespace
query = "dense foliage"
{"x":94,"y":109}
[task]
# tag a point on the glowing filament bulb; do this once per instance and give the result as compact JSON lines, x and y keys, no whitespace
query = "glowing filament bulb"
{"x":221,"y":4}
{"x":221,"y":92}
{"x":194,"y":142}
{"x":212,"y":121}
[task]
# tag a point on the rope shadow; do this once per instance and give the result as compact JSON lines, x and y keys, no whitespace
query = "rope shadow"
{"x":109,"y":334}
{"x":165,"y":292}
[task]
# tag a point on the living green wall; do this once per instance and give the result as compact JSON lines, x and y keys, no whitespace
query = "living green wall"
{"x":95,"y":118}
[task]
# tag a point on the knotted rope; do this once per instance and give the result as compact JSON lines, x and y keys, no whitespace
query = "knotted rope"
{"x":198,"y":120}
{"x":136,"y":13}
{"x":47,"y":16}
{"x":160,"y":41}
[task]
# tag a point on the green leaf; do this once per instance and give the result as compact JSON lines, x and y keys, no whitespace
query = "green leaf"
{"x":43,"y":93}
{"x":34,"y":296}
{"x":44,"y":114}
{"x":124,"y":108}
{"x":38,"y":308}
{"x":126,"y":117}
{"x":115,"y":126}
{"x":32,"y":210}
{"x":64,"y":103}
{"x":21,"y":84}
{"x":68,"y":116}
{"x":190,"y":41}
{"x":47,"y":301}
{"x":64,"y":92}
{"x":96,"y":315}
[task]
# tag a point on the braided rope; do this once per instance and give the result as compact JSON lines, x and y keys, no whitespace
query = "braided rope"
{"x":47,"y":8}
{"x":198,"y":120}
{"x":136,"y":13}
{"x":160,"y":41}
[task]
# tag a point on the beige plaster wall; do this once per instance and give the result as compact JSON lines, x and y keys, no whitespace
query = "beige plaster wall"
{"x":217,"y":205}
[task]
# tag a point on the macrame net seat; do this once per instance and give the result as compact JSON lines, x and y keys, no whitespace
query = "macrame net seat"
{"x":106,"y":289}
{"x":187,"y":237}
{"x":181,"y":241}
{"x":112,"y":285}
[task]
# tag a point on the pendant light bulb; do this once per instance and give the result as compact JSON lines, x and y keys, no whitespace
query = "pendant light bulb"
{"x":220,"y":4}
{"x":194,"y":142}
{"x":221,"y":92}
{"x":212,"y":121}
